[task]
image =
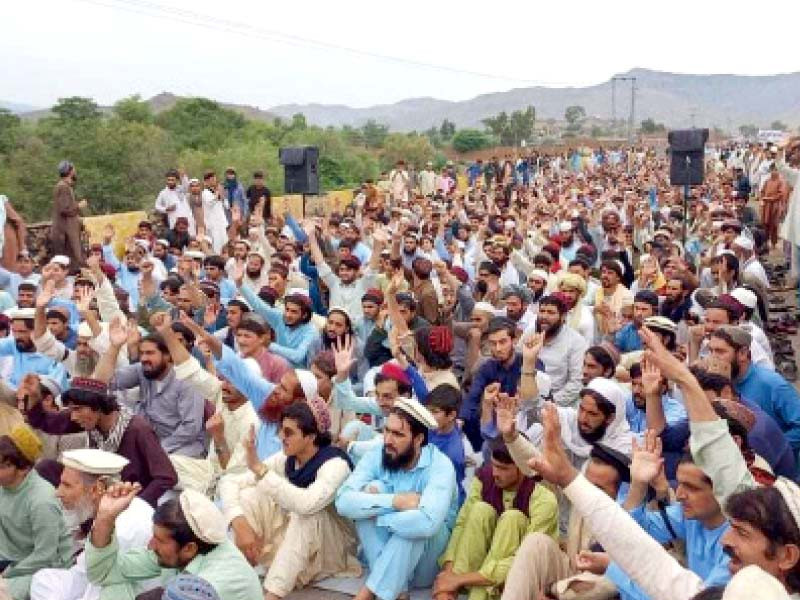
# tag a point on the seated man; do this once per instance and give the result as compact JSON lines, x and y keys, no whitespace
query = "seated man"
{"x":86,"y":475}
{"x":403,"y":498}
{"x":33,"y":535}
{"x":188,"y":536}
{"x":281,"y":511}
{"x":20,"y":347}
{"x":503,"y":506}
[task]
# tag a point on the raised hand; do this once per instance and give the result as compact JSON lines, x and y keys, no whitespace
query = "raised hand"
{"x":85,"y":296}
{"x":646,"y":461}
{"x":215,"y":426}
{"x":553,"y":464}
{"x":118,"y":331}
{"x":249,"y":442}
{"x":657,"y":354}
{"x":491,"y":393}
{"x":506,"y":413}
{"x":116,"y":499}
{"x":531,"y":346}
{"x":46,"y":294}
{"x":160,"y":321}
{"x":651,"y":378}
{"x":238,"y":272}
{"x":211,"y":313}
{"x":343,"y":358}
{"x":108,"y":234}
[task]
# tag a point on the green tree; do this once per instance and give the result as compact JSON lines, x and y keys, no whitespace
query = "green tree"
{"x":201,"y":123}
{"x":76,"y":108}
{"x":521,"y":124}
{"x":748,"y":130}
{"x":374,"y":133}
{"x":9,"y":130}
{"x":133,"y":109}
{"x":468,"y":140}
{"x":299,"y":121}
{"x":499,"y":125}
{"x":574,"y":115}
{"x":447,"y":129}
{"x":650,"y":126}
{"x":779,"y":125}
{"x":412,"y":148}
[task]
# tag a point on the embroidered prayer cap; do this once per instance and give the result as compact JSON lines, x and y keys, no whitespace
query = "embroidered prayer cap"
{"x":417,"y":411}
{"x":27,"y":442}
{"x":209,"y":285}
{"x":373,"y":295}
{"x":393,"y":371}
{"x":459,"y":273}
{"x":661,"y":324}
{"x":60,"y":259}
{"x":322,"y":415}
{"x":440,"y":338}
{"x":203,"y":517}
{"x":753,"y":582}
{"x":87,"y":384}
{"x":189,"y":587}
{"x":351,"y":262}
{"x":745,"y":297}
{"x":523,"y":293}
{"x":308,"y":382}
{"x":94,"y":461}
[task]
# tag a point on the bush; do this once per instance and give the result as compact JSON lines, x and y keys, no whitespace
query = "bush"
{"x":468,"y":140}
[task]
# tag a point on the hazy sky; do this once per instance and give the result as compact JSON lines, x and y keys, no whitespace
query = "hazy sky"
{"x":230,"y":50}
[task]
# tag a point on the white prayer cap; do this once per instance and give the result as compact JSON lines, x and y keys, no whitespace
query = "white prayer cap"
{"x":163,"y":242}
{"x":51,"y":385}
{"x":744,"y":243}
{"x":60,"y":259}
{"x":608,"y":389}
{"x":194,"y":180}
{"x":483,"y":307}
{"x":753,"y":582}
{"x":203,"y":517}
{"x":297,"y":290}
{"x":22,"y":313}
{"x":565,"y":226}
{"x":194,"y":254}
{"x":746,"y":297}
{"x":417,"y":411}
{"x":94,"y":461}
{"x":539,"y":274}
{"x":144,"y":244}
{"x":575,"y":214}
{"x":308,"y":382}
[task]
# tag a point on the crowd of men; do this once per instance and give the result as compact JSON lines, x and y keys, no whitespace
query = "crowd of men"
{"x":558,"y":379}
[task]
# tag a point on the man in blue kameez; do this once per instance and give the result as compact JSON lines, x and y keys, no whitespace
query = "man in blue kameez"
{"x":403,"y":499}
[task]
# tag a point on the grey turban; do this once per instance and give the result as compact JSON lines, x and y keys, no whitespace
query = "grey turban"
{"x":64,"y":167}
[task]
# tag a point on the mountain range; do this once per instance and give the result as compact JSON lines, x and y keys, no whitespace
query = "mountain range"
{"x":676,"y":100}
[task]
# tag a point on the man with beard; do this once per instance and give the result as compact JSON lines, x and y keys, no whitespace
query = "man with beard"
{"x":725,"y":310}
{"x":65,"y":232}
{"x":537,"y":284}
{"x":569,"y":243}
{"x":563,"y":349}
{"x":189,"y":535}
{"x":773,"y":394}
{"x":26,"y":295}
{"x":34,"y":535}
{"x":281,"y":511}
{"x":581,"y":265}
{"x":86,"y":475}
{"x":626,"y":338}
{"x":403,"y":498}
{"x":338,"y":328}
{"x":294,"y":332}
{"x":635,"y":412}
{"x":612,"y":296}
{"x":254,"y":273}
{"x":174,"y":408}
{"x":346,"y":287}
{"x":677,"y":300}
{"x":240,"y":250}
{"x":410,"y":251}
{"x":517,"y":300}
{"x":235,"y":311}
{"x":20,"y":347}
{"x":171,"y":201}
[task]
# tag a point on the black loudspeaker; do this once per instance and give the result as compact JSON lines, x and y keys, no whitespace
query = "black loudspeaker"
{"x":687,"y":149}
{"x":300,"y":169}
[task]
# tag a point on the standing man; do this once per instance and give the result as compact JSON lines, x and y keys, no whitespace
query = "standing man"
{"x":65,"y":231}
{"x":403,"y":498}
{"x":171,"y":201}
{"x":259,"y":192}
{"x":427,"y":180}
{"x":774,"y":194}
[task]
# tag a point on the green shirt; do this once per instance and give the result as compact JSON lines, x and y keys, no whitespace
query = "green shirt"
{"x":225,"y":568}
{"x":33,"y":534}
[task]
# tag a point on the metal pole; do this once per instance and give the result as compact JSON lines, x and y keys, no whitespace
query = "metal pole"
{"x":631,"y":130}
{"x":613,"y":103}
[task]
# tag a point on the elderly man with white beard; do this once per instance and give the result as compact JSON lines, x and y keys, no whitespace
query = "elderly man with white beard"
{"x":86,"y":476}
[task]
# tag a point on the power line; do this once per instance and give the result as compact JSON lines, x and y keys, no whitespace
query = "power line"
{"x":153,"y":9}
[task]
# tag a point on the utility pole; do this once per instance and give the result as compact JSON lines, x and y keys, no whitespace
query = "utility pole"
{"x":613,"y":103}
